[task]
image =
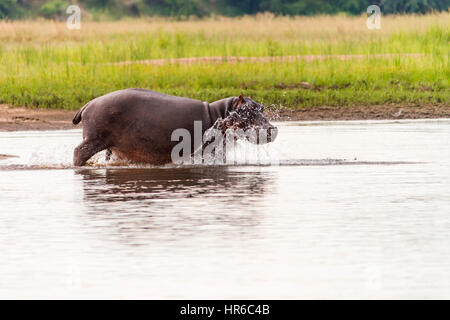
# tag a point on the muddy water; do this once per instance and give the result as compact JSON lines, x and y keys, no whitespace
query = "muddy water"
{"x":349,"y":210}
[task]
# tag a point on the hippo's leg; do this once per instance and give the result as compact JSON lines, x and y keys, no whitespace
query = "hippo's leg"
{"x":86,"y":150}
{"x":108,"y":154}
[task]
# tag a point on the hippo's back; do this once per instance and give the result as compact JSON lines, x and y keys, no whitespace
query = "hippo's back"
{"x":141,"y":106}
{"x":134,"y":99}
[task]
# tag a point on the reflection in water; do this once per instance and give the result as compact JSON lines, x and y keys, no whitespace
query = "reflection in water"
{"x":161,"y":183}
{"x":138,"y":205}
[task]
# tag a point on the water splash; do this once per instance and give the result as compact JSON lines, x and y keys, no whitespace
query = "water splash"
{"x":233,"y":147}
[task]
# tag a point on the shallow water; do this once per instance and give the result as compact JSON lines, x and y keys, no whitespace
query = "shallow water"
{"x":348,"y":210}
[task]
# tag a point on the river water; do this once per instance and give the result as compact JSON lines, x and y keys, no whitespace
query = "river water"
{"x":354,"y":209}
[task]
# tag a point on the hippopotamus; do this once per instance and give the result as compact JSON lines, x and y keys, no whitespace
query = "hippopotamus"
{"x":137,"y":124}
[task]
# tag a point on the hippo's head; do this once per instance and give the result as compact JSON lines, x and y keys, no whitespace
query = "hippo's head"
{"x":247,"y":115}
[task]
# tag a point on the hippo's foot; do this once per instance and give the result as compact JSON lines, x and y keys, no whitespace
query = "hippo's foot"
{"x":86,"y":150}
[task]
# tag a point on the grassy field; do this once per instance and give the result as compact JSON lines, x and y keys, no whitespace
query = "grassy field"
{"x":43,"y":64}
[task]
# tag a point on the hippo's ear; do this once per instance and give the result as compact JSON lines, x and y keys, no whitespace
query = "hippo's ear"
{"x":238,"y":102}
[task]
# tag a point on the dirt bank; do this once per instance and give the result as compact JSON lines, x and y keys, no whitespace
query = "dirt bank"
{"x":15,"y":119}
{"x":376,"y":112}
{"x":6,"y":156}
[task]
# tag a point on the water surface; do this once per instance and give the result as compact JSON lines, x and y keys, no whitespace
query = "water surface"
{"x":356,"y":209}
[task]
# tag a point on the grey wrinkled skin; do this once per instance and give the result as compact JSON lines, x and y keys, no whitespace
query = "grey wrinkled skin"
{"x":137,"y":124}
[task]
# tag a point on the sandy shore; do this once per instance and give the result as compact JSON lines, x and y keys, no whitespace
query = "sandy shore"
{"x":18,"y":118}
{"x":375,"y":112}
{"x":6,"y":156}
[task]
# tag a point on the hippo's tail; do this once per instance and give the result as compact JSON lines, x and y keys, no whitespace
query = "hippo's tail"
{"x":76,"y":120}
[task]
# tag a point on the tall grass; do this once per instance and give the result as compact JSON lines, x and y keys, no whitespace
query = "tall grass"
{"x":43,"y":64}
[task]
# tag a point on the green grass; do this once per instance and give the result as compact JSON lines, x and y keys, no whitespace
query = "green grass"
{"x":66,"y":73}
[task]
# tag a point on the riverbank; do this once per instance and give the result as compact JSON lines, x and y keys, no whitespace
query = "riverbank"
{"x":20,"y":118}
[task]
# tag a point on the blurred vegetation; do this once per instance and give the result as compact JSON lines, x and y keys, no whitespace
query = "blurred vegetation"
{"x":113,"y":9}
{"x":43,"y":64}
